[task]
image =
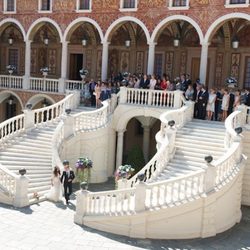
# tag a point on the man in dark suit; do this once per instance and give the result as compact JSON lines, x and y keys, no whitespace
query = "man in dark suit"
{"x":202,"y":103}
{"x":144,"y":82}
{"x":247,"y":98}
{"x":67,"y":177}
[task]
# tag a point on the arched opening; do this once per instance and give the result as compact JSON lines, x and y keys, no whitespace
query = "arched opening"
{"x":229,"y":45}
{"x":45,"y":50}
{"x":139,"y":141}
{"x":177,"y":49}
{"x":84,"y":50}
{"x":10,"y":105}
{"x":127,"y":50}
{"x":12,"y":49}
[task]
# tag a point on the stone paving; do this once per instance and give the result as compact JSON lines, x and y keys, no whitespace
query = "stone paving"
{"x":50,"y":225}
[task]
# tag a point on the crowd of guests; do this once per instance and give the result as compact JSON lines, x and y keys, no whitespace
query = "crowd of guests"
{"x":213,"y":104}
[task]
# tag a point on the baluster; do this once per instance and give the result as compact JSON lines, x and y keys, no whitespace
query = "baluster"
{"x":151,"y":197}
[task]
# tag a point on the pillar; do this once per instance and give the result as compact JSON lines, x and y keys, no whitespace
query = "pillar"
{"x":64,"y":64}
{"x":146,"y":140}
{"x":203,"y":62}
{"x":151,"y":58}
{"x":26,"y":80}
{"x":105,"y":53}
{"x":119,"y":148}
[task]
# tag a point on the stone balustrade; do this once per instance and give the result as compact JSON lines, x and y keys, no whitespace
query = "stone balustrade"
{"x":11,"y":82}
{"x":151,"y":98}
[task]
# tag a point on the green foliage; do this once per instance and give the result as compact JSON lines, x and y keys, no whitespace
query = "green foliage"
{"x":136,"y":158}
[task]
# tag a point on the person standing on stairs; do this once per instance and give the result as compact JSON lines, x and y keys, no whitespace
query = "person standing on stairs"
{"x":67,"y":177}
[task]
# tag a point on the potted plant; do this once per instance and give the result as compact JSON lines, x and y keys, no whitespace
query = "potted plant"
{"x":231,"y":82}
{"x":44,"y":71}
{"x":83,"y":167}
{"x":11,"y":69}
{"x":83,"y":73}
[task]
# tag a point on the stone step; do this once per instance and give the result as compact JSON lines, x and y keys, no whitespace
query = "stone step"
{"x":186,"y":164}
{"x":201,"y":134}
{"x":39,"y":184}
{"x":198,"y":139}
{"x":201,"y":151}
{"x":26,"y":163}
{"x":38,"y":189}
{"x":185,"y":143}
{"x":193,"y":156}
{"x":33,"y":145}
{"x":195,"y":143}
{"x":25,"y":158}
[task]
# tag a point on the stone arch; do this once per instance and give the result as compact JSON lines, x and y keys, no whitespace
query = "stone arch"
{"x":35,"y":99}
{"x":7,"y":21}
{"x":77,"y":22}
{"x":218,"y":22}
{"x":169,"y":19}
{"x":6,"y":93}
{"x":122,"y":20}
{"x":38,"y":23}
{"x":122,"y":121}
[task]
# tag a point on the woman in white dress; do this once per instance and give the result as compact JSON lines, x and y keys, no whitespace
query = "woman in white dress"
{"x":55,"y":193}
{"x":211,"y":104}
{"x":225,"y":104}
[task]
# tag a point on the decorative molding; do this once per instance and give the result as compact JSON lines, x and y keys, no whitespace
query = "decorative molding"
{"x":169,"y":62}
{"x":183,"y":62}
{"x":139,"y":68}
{"x":235,"y":65}
{"x":218,"y":68}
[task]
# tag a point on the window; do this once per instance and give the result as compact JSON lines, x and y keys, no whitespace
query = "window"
{"x":84,"y":5}
{"x":236,"y":3}
{"x":10,"y":6}
{"x":13,"y":57}
{"x":45,"y":5}
{"x":128,"y":5}
{"x":178,"y":4}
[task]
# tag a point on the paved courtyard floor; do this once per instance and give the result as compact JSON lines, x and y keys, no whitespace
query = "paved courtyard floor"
{"x":50,"y":225}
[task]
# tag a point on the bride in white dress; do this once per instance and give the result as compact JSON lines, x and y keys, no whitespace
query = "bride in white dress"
{"x":55,"y":193}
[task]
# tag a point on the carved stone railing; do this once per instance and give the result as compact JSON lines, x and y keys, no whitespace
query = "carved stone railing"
{"x":165,"y":143}
{"x":44,"y":84}
{"x":11,"y":82}
{"x":84,"y":121}
{"x":11,"y":128}
{"x":7,"y":181}
{"x":145,"y":196}
{"x":151,"y":98}
{"x":72,"y":84}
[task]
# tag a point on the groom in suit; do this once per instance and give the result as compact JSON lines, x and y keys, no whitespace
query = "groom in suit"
{"x":67,"y":178}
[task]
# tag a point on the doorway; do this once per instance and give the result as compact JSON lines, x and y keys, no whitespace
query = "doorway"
{"x":76,"y":63}
{"x":195,"y":70}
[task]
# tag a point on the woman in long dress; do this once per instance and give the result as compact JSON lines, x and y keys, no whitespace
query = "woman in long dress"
{"x":55,"y":193}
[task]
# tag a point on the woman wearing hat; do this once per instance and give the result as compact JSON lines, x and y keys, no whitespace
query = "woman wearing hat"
{"x":67,"y":177}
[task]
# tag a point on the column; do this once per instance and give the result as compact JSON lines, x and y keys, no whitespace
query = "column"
{"x":146,"y":140}
{"x":64,"y":63}
{"x":26,"y":80}
{"x":119,"y":148}
{"x":151,"y":58}
{"x":203,"y":62}
{"x":105,"y":54}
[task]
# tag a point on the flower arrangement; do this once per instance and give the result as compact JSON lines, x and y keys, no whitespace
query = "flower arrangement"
{"x":84,"y":162}
{"x":11,"y":67}
{"x":231,"y":81}
{"x":83,"y":166}
{"x":124,"y":171}
{"x":83,"y":72}
{"x":125,"y":74}
{"x":44,"y":70}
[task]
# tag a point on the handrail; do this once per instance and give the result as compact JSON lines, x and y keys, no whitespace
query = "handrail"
{"x":10,"y":81}
{"x":11,"y":127}
{"x":7,"y":181}
{"x":154,"y":98}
